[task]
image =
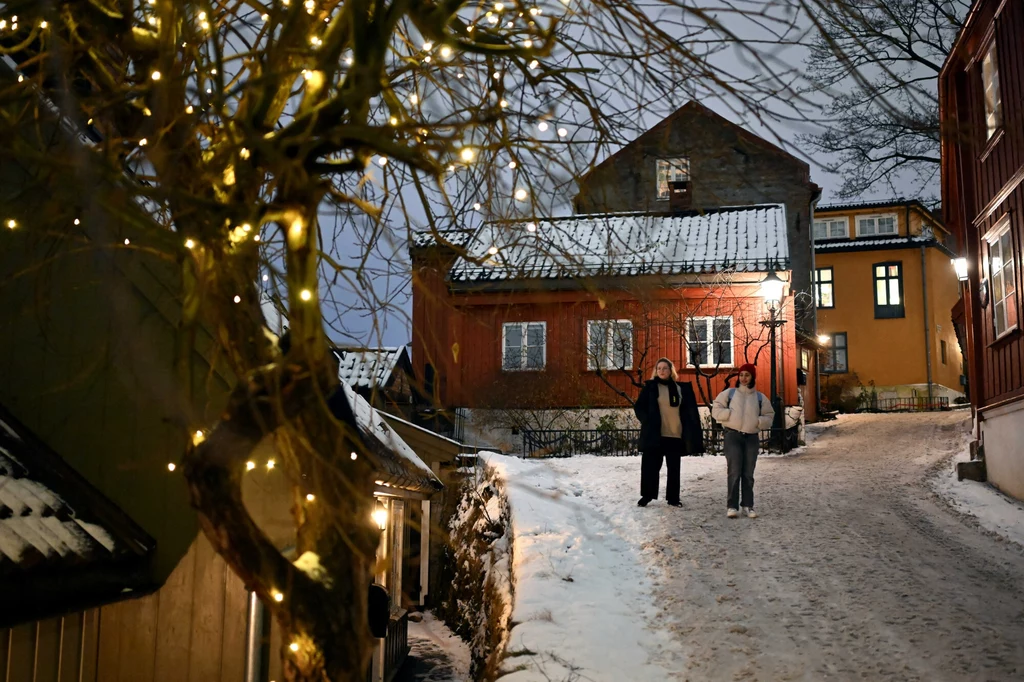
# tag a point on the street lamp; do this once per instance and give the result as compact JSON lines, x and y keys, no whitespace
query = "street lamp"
{"x":771,"y":290}
{"x":960,"y":266}
{"x":380,"y":515}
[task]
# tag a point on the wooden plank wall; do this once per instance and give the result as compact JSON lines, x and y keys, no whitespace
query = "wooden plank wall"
{"x":191,"y":630}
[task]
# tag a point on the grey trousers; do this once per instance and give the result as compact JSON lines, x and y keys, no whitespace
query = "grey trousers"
{"x":741,"y":458}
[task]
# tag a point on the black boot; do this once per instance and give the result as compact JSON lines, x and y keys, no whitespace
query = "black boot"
{"x":643,"y":501}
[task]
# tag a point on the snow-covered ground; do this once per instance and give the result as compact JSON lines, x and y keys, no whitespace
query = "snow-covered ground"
{"x":435,"y":653}
{"x":853,"y":571}
{"x":994,"y":511}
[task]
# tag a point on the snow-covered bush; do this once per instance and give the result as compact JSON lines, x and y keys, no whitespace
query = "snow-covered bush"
{"x":477,"y":603}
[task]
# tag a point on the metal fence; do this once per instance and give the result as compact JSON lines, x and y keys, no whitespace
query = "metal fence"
{"x":919,"y":404}
{"x":625,"y":442}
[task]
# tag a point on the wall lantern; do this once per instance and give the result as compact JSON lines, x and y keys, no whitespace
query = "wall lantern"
{"x":960,"y":266}
{"x":380,"y":514}
{"x":771,"y":289}
{"x":823,"y":339}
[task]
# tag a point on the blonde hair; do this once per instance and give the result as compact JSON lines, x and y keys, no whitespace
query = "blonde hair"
{"x":671,"y":366}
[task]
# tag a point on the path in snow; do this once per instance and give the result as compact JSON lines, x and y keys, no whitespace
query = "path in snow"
{"x":435,"y":654}
{"x":855,"y":570}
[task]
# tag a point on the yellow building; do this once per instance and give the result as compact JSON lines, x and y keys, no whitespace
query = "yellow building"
{"x":884,"y":286}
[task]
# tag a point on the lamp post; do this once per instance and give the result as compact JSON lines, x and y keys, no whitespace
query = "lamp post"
{"x":771,"y":290}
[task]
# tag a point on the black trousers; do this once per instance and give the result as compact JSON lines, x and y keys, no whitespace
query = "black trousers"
{"x":670,"y":450}
{"x":741,"y":459}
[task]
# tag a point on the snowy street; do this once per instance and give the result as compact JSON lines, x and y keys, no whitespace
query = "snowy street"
{"x":856,"y":569}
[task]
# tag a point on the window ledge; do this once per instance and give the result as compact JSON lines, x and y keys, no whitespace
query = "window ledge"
{"x":523,"y":369}
{"x":1011,"y":333}
{"x":990,"y":146}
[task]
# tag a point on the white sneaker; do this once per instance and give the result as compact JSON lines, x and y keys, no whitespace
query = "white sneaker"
{"x":731,"y":513}
{"x":751,"y":514}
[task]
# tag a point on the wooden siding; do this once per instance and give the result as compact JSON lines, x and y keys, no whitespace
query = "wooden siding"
{"x":461,"y":336}
{"x":983,"y":181}
{"x":192,"y":630}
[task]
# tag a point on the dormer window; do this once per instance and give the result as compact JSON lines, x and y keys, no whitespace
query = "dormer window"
{"x":671,"y":170}
{"x":876,"y":225}
{"x":831,"y":228}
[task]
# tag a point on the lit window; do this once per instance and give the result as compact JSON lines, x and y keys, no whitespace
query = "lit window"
{"x":710,"y":341}
{"x":831,"y":228}
{"x":523,"y":345}
{"x":823,"y":288}
{"x":610,"y":344}
{"x":836,"y":360}
{"x":876,"y":225}
{"x":888,"y":290}
{"x":1001,"y":272}
{"x":671,"y":170}
{"x":993,"y":101}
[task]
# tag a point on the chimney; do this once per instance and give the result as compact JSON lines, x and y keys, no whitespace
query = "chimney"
{"x":679,"y":197}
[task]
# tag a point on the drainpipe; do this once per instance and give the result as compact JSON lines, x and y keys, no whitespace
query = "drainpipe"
{"x":814,"y":319}
{"x":927,"y":325}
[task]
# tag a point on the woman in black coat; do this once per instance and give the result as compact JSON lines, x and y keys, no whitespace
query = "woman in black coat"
{"x":669,"y":428}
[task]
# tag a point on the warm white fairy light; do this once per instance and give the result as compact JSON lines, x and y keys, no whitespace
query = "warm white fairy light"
{"x":21,"y":79}
{"x":310,"y":5}
{"x":493,"y":250}
{"x":499,"y":7}
{"x":349,"y":60}
{"x":171,"y":466}
{"x":143,"y":142}
{"x":562,"y":132}
{"x":250,"y":465}
{"x":189,"y":109}
{"x":315,"y":41}
{"x":243,"y":153}
{"x":12,"y":223}
{"x":278,"y":597}
{"x":152,"y":21}
{"x":446,"y":52}
{"x":155,"y":75}
{"x":534,"y":64}
{"x":237,"y":299}
{"x":520,"y":194}
{"x":43,"y":24}
{"x":382,"y":160}
{"x":3,"y":24}
{"x":77,"y":221}
{"x":467,"y":154}
{"x":497,"y":75}
{"x":428,"y":46}
{"x":266,"y":278}
{"x":305,"y":294}
{"x":310,"y":497}
{"x":270,"y":464}
{"x":492,"y":18}
{"x":189,"y":243}
{"x":146,"y":111}
{"x":476,"y":206}
{"x":503,"y":103}
{"x":531,"y":227}
{"x":393,"y":120}
{"x":529,"y":43}
{"x":294,"y":646}
{"x":256,"y":238}
{"x":512,"y":165}
{"x":414,"y":98}
{"x":542,"y":126}
{"x":534,"y":11}
{"x":265,"y":17}
{"x":127,"y":241}
{"x":354,"y":455}
{"x":426,"y":60}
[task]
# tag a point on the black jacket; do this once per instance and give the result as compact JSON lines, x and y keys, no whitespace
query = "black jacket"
{"x":647,"y":411}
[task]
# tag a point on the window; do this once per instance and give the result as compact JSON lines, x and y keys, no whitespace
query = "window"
{"x":831,"y":228}
{"x":805,"y":358}
{"x":823,"y":292}
{"x":1003,"y":280}
{"x":610,"y":344}
{"x":710,"y":341}
{"x":835,"y":354}
{"x":888,"y":290}
{"x":524,"y":345}
{"x":942,"y":351}
{"x":990,"y":83}
{"x":876,"y":225}
{"x":671,"y":170}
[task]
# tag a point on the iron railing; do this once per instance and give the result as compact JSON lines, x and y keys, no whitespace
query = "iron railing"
{"x":625,"y":442}
{"x":918,"y":404}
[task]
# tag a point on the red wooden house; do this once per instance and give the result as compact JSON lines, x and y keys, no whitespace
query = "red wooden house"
{"x":574,"y":312}
{"x":981,"y":100}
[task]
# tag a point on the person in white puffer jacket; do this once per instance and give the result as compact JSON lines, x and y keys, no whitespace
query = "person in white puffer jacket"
{"x":743,"y":412}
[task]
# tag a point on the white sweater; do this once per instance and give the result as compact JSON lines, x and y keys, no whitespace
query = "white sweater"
{"x":742,"y":413}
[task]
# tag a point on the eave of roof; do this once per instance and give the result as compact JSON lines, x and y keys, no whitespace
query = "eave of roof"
{"x":883,"y":244}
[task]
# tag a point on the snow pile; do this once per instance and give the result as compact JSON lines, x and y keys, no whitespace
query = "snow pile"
{"x":994,"y":511}
{"x":582,"y":603}
{"x":478,"y":603}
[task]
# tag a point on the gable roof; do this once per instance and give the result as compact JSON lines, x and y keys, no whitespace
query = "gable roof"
{"x":694,"y":107}
{"x":370,"y":367}
{"x":63,"y":546}
{"x":742,"y":239}
{"x":899,"y":202}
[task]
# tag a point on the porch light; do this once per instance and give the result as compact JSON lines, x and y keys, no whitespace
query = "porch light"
{"x":824,"y":338}
{"x":380,"y":515}
{"x":960,"y":266}
{"x":771,"y":289}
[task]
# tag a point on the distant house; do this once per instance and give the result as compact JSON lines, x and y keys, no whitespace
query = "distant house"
{"x":884,"y":287}
{"x":573,"y":312}
{"x":696,"y":159}
{"x":982,"y":118}
{"x":383,"y":376}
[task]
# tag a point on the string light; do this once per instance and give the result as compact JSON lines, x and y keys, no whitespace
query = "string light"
{"x":198,"y":437}
{"x":529,"y":43}
{"x":493,"y":250}
{"x":503,"y":103}
{"x":77,"y":221}
{"x":155,"y":75}
{"x":414,"y":98}
{"x":43,"y":24}
{"x":266,"y":278}
{"x":520,"y":194}
{"x":189,"y":109}
{"x":189,"y":244}
{"x":349,"y":60}
{"x":21,"y":79}
{"x":143,"y":142}
{"x":270,"y":464}
{"x":476,"y":206}
{"x":278,"y":597}
{"x":531,"y":227}
{"x":499,"y":7}
{"x":428,"y":46}
{"x":294,"y":646}
{"x":512,"y":165}
{"x":534,"y":64}
{"x":171,"y":466}
{"x":354,"y":456}
{"x":265,"y":17}
{"x":310,"y":6}
{"x":467,"y":154}
{"x":382,"y":160}
{"x":393,"y":121}
{"x":237,"y":299}
{"x":446,"y":52}
{"x":491,"y":18}
{"x":12,"y":223}
{"x":243,"y":153}
{"x":250,"y":465}
{"x":542,"y":126}
{"x":310,"y":497}
{"x":534,"y":11}
{"x":127,"y":241}
{"x":305,"y":294}
{"x":562,"y":132}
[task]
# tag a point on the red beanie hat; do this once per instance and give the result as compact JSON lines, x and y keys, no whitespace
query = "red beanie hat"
{"x":748,"y":368}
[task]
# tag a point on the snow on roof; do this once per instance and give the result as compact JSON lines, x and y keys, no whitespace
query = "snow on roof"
{"x":743,"y":238}
{"x":841,"y":244}
{"x":38,"y":528}
{"x":367,"y":367}
{"x":457,"y":238}
{"x":409,"y":471}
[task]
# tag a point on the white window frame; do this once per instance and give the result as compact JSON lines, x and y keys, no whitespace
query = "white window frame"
{"x":990,"y":91}
{"x":819,"y":284}
{"x":832,"y":350}
{"x":610,"y":328}
{"x":994,"y":238}
{"x":709,"y":326}
{"x":524,"y":326}
{"x":672,"y":169}
{"x":875,"y":216}
{"x":828,"y":228}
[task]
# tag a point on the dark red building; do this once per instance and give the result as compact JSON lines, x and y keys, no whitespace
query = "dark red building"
{"x":981,"y":100}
